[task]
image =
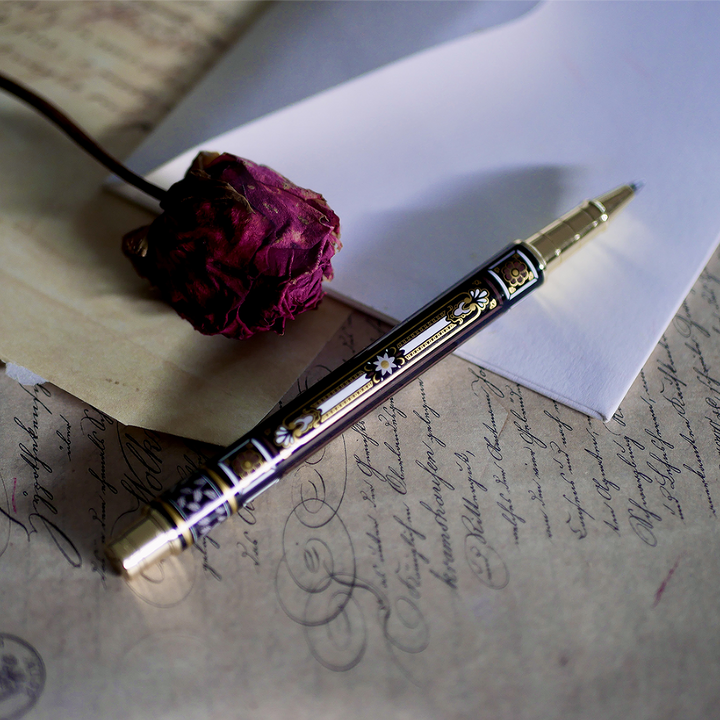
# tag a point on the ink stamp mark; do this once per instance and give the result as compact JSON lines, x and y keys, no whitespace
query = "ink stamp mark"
{"x":22,"y":677}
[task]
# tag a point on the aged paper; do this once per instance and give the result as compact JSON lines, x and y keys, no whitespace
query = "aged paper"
{"x":75,"y":313}
{"x":468,"y":550}
{"x":117,"y":67}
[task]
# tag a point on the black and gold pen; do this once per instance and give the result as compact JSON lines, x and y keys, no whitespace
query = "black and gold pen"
{"x":238,"y":474}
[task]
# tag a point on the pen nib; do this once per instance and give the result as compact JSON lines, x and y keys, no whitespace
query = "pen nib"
{"x":637,"y":186}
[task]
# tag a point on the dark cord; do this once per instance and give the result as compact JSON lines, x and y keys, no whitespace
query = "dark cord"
{"x":76,"y":134}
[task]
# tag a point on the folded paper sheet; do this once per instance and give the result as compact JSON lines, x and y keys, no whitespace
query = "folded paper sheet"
{"x":73,"y":309}
{"x":470,"y":551}
{"x":438,"y":160}
{"x":297,"y":49}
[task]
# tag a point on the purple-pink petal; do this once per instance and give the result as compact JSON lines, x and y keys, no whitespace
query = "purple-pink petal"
{"x":239,"y":249}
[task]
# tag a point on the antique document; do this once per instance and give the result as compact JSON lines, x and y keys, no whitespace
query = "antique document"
{"x":468,"y":550}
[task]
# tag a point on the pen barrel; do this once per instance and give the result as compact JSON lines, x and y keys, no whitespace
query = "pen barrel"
{"x":192,"y":508}
{"x":188,"y":511}
{"x":316,"y":416}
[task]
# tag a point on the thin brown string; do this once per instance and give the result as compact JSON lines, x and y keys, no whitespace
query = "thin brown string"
{"x":80,"y":137}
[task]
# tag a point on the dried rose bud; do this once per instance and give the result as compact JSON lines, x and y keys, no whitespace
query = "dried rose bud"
{"x":238,"y":249}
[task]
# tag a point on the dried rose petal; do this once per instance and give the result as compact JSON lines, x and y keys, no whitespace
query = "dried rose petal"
{"x":239,"y":249}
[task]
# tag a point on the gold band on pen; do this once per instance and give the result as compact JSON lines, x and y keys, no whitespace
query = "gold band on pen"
{"x":181,"y":525}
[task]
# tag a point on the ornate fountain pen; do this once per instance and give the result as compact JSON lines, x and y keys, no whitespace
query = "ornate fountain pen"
{"x":238,"y":474}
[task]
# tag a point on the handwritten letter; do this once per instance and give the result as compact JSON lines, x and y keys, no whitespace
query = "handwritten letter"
{"x":469,"y":547}
{"x":467,"y":550}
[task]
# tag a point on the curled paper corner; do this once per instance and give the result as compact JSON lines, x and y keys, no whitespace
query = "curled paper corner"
{"x":23,"y":375}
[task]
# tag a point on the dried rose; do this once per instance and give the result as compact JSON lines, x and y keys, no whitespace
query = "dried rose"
{"x":239,"y":249}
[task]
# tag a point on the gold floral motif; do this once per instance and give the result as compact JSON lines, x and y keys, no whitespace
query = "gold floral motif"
{"x":246,"y":461}
{"x":514,"y":272}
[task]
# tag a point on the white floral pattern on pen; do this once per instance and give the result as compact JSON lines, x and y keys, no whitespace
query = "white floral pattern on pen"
{"x":385,"y":364}
{"x":481,"y":297}
{"x":196,"y":498}
{"x":286,"y":435}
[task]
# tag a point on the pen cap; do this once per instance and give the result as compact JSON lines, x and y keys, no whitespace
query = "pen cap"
{"x":567,"y":234}
{"x":148,"y":541}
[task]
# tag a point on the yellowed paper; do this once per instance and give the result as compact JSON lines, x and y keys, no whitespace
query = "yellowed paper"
{"x":117,"y":67}
{"x":74,"y":312}
{"x":468,"y":550}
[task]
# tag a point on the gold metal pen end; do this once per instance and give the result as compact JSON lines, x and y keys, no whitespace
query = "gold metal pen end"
{"x":148,"y":541}
{"x":563,"y":237}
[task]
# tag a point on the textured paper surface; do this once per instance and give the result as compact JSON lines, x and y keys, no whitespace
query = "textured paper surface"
{"x":468,"y":550}
{"x":74,"y":311}
{"x":459,"y":150}
{"x":585,"y":556}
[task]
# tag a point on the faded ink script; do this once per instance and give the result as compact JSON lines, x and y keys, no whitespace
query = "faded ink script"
{"x":462,"y":532}
{"x":98,"y":57}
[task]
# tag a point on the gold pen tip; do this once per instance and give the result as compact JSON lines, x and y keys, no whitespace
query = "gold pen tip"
{"x":146,"y":542}
{"x":563,"y":237}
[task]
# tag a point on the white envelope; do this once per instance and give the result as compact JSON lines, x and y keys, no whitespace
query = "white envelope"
{"x":297,"y":49}
{"x":438,"y":160}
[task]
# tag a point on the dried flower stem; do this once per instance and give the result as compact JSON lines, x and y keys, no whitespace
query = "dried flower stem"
{"x":80,"y":137}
